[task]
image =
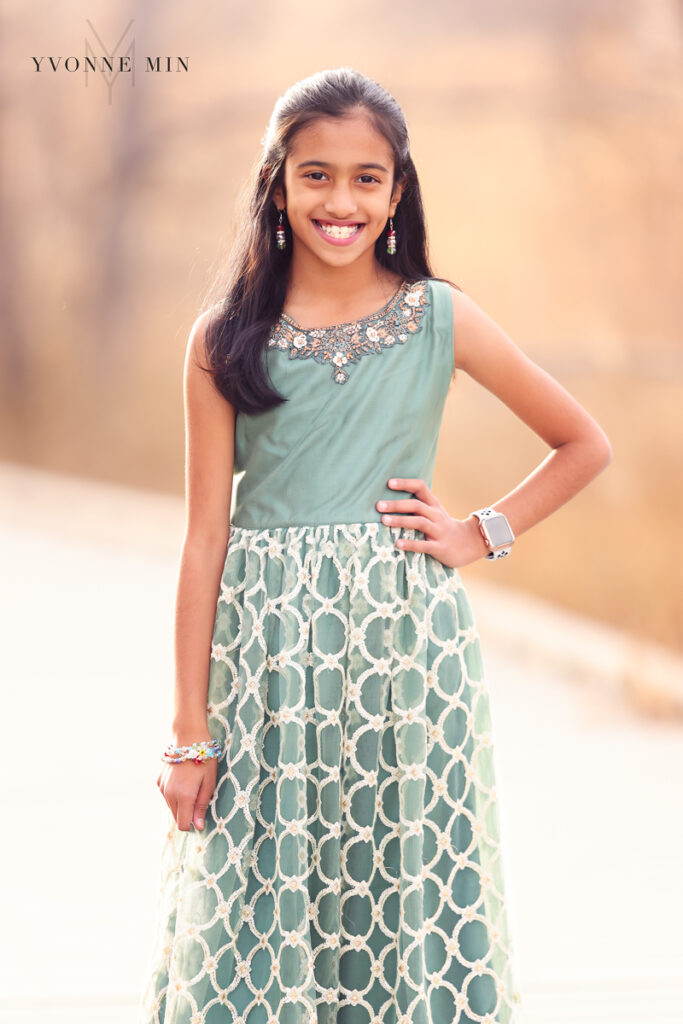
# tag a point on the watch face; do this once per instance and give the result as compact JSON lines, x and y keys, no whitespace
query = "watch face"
{"x":498,"y":530}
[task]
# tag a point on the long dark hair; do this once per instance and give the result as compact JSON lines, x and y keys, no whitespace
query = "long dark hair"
{"x":257,"y":271}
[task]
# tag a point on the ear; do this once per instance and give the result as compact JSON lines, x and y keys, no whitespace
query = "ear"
{"x":395,"y":199}
{"x":277,"y":194}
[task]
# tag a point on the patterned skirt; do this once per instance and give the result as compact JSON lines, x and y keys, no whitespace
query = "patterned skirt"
{"x":350,"y":866}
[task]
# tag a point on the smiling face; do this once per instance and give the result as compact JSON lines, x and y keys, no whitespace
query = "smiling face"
{"x":338,"y":182}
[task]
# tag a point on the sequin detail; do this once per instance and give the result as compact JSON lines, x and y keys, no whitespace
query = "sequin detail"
{"x":342,"y":344}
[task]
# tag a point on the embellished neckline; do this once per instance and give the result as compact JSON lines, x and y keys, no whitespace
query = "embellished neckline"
{"x":348,"y":323}
{"x":345,"y":343}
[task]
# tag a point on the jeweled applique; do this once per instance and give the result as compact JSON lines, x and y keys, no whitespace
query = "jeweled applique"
{"x":345,"y":343}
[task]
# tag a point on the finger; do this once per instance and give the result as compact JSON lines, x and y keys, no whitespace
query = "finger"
{"x":390,"y":508}
{"x":162,"y":780}
{"x":417,"y":487}
{"x":430,"y":547}
{"x":402,"y":505}
{"x":171,"y":794}
{"x":202,"y":801}
{"x":169,"y":804}
{"x":410,"y":523}
{"x":185,"y":809}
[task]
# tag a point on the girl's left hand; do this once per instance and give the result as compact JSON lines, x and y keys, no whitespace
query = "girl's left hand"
{"x":455,"y":542}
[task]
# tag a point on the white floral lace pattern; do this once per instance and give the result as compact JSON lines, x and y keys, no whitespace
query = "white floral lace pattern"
{"x":349,"y":869}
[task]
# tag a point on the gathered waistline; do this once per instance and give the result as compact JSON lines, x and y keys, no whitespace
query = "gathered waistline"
{"x":327,"y":530}
{"x":379,"y":539}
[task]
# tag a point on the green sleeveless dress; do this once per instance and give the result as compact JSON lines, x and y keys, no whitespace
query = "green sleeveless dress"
{"x":349,"y":869}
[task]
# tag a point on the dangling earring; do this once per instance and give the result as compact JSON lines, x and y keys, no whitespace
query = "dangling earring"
{"x":280,"y":233}
{"x":391,"y":238}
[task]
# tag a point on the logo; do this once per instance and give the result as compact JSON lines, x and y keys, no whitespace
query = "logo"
{"x":109,"y":64}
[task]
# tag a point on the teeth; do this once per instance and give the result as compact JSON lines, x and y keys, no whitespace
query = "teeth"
{"x":337,"y":230}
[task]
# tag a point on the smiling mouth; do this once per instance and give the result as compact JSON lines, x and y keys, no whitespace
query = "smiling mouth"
{"x":339,"y":230}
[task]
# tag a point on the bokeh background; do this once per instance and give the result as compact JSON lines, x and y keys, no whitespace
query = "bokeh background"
{"x":549,"y":142}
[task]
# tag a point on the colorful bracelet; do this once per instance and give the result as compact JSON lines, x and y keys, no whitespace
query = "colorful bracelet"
{"x":198,"y":752}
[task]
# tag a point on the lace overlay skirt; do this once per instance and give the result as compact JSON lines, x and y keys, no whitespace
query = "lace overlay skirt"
{"x":350,"y":863}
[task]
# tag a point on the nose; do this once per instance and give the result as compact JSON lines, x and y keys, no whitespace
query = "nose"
{"x":340,"y":204}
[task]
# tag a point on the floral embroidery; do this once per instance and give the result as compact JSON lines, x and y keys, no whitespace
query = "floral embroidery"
{"x":342,"y":344}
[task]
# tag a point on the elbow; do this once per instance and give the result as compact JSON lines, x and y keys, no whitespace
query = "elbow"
{"x":601,"y":451}
{"x":593,"y":450}
{"x":605,"y":449}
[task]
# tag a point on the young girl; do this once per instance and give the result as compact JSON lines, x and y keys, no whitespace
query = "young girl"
{"x":334,"y":850}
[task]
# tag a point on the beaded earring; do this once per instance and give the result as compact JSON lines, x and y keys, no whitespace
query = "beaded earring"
{"x":280,"y":233}
{"x":391,"y":238}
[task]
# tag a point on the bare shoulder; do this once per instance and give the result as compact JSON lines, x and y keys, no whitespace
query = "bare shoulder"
{"x":479,"y":342}
{"x":197,"y":341}
{"x":491,"y":357}
{"x":199,"y":383}
{"x":471,"y":325}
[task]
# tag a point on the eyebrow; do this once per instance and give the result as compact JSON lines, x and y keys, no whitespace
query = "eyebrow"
{"x":323,"y":163}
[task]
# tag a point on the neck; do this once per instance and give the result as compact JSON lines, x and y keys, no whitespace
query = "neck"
{"x":312,"y":282}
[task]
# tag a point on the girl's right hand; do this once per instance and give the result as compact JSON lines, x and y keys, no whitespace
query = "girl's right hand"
{"x":187,"y":789}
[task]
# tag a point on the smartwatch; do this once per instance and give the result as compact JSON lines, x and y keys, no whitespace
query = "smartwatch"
{"x":496,"y":532}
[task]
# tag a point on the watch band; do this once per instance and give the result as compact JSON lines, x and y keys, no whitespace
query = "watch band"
{"x":486,"y":513}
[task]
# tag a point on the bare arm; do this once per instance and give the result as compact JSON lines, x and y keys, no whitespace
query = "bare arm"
{"x":580,"y":448}
{"x":209,"y":460}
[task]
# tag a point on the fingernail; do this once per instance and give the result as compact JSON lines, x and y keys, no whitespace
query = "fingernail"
{"x":200,"y":822}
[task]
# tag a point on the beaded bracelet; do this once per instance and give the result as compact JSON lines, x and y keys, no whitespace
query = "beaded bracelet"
{"x":198,"y":752}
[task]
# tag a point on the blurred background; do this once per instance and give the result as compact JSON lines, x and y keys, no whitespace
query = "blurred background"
{"x":549,"y":143}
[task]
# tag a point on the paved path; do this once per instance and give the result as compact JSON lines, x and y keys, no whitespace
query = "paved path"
{"x":591,"y":819}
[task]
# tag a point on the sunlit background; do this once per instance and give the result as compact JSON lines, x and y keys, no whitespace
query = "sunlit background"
{"x":548,"y":138}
